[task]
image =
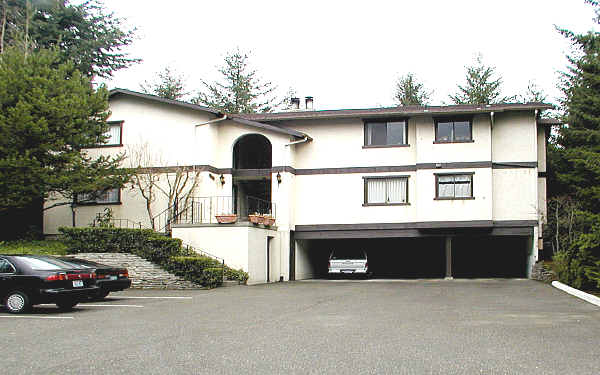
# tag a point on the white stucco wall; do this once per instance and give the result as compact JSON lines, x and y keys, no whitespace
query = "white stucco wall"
{"x":514,"y":137}
{"x":339,"y":198}
{"x":479,"y":208}
{"x":241,"y":246}
{"x":305,"y":266}
{"x":339,"y":144}
{"x":430,"y":152}
{"x":515,"y":194}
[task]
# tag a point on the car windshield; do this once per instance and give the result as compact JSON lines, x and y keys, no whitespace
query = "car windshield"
{"x":348,"y":254}
{"x":45,"y":263}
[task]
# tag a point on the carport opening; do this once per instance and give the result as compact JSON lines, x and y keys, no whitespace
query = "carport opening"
{"x":403,"y":258}
{"x":489,"y":256}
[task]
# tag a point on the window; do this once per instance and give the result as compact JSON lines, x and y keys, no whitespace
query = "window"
{"x":110,"y":196}
{"x":113,"y":134}
{"x":6,"y":267}
{"x":386,"y":133}
{"x":381,"y":191}
{"x":454,"y":186}
{"x":453,"y":130}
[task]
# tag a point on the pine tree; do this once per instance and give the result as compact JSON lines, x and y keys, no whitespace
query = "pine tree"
{"x":49,"y":113}
{"x":240,"y":91}
{"x":482,"y":86}
{"x":169,"y":85}
{"x":84,"y":33}
{"x":409,"y":91}
{"x":576,"y":161}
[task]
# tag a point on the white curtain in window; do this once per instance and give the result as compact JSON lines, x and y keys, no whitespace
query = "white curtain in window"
{"x":114,"y":135}
{"x":376,"y":190}
{"x":396,"y":190}
{"x":462,"y":186}
{"x":445,"y":186}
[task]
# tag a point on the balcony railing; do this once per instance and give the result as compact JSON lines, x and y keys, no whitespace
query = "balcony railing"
{"x":259,"y":206}
{"x":202,"y":210}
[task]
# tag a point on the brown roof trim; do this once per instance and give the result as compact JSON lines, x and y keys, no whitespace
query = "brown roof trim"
{"x":269,"y":127}
{"x":396,"y":111}
{"x":155,"y":98}
{"x":549,"y":121}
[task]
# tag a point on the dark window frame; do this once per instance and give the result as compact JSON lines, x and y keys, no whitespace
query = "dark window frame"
{"x":366,"y":190}
{"x":453,"y":120}
{"x":437,"y":186}
{"x":96,"y":203}
{"x":120,"y":144}
{"x":367,"y":121}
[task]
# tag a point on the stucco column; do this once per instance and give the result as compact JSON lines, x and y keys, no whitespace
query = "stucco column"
{"x":448,"y":258}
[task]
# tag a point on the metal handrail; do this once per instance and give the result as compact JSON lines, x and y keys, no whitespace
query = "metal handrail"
{"x":260,"y":206}
{"x":119,"y":223}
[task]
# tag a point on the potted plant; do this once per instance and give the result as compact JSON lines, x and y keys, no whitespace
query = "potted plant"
{"x":256,"y":218}
{"x":226,"y":218}
{"x":268,"y":220}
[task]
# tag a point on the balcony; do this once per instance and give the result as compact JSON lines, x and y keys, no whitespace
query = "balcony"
{"x":203,"y":210}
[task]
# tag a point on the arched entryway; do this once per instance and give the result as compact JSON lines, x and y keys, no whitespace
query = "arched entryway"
{"x":252,"y":162}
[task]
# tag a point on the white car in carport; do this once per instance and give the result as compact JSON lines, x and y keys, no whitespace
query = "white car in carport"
{"x":348,"y":262}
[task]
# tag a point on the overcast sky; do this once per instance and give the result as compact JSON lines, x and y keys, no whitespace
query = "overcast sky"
{"x":348,"y":54}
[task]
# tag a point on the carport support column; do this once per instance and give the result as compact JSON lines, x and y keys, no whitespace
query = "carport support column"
{"x":448,"y":258}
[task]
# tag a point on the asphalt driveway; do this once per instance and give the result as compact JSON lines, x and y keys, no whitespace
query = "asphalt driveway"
{"x":401,"y":327}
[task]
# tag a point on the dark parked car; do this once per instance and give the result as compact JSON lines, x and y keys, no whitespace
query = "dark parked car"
{"x":27,"y":280}
{"x":108,"y":278}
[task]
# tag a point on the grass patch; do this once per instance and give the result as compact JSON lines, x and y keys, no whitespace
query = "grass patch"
{"x":45,"y":247}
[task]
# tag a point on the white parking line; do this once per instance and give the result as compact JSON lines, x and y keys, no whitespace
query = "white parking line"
{"x":35,"y":317}
{"x":120,"y":297}
{"x":88,"y":305}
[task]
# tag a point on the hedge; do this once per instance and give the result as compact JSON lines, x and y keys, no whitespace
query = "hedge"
{"x":192,"y":267}
{"x":238,"y":275}
{"x":212,"y":277}
{"x":145,"y":243}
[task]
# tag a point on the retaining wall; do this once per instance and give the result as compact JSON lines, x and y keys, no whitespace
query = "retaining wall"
{"x":143,"y":274}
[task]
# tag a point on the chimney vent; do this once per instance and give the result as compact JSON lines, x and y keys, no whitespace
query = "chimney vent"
{"x":308,"y":103}
{"x":295,"y":102}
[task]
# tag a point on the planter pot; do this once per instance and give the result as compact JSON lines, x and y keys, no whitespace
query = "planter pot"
{"x":226,"y":219}
{"x":256,"y":219}
{"x":268,"y":221}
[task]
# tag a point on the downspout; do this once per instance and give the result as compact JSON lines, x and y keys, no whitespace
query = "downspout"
{"x":305,"y":139}
{"x":212,"y":121}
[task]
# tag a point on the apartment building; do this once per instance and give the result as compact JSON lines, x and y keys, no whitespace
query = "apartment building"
{"x":435,"y":191}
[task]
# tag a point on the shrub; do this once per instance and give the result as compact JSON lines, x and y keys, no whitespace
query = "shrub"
{"x":192,"y":267}
{"x":239,"y":275}
{"x":165,"y":251}
{"x":212,"y":277}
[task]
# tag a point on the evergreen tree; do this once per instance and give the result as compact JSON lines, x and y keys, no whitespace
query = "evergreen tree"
{"x":482,"y":86}
{"x":409,"y":91}
{"x":576,"y":161}
{"x":169,"y":85}
{"x":240,"y":91}
{"x":86,"y":34}
{"x":49,"y":112}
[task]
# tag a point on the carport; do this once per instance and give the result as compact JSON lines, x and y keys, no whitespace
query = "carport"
{"x":482,"y":252}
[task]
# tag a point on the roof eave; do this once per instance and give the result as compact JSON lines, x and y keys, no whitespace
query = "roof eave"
{"x":155,"y":98}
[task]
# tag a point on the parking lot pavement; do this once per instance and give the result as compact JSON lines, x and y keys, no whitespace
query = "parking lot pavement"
{"x":417,"y":327}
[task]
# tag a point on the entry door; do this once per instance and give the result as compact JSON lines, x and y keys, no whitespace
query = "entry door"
{"x":292,"y":257}
{"x":269,"y":258}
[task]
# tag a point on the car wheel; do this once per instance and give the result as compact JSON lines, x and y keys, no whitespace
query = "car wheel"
{"x":66,"y":304}
{"x":17,"y":302}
